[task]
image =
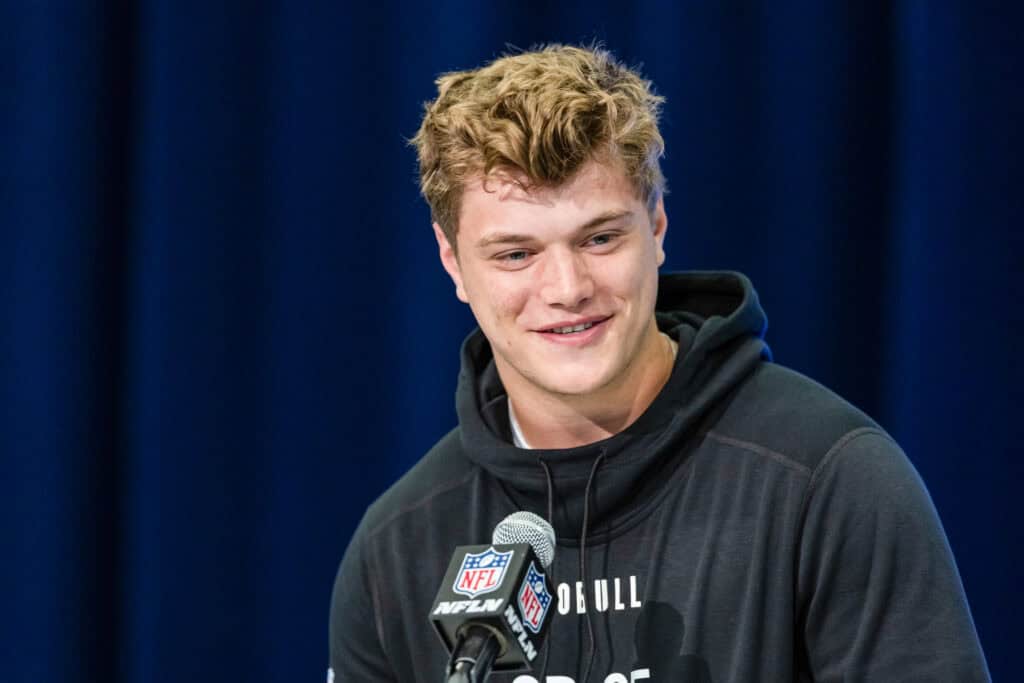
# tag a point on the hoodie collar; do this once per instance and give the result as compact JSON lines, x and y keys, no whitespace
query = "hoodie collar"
{"x":718,"y":323}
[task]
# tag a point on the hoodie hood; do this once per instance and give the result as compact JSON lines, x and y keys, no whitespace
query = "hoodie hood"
{"x":718,"y":323}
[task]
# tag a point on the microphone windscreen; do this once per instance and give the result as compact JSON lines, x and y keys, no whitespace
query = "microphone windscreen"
{"x":526,"y":527}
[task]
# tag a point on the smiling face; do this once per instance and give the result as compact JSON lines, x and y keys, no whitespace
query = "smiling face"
{"x":562,"y":281}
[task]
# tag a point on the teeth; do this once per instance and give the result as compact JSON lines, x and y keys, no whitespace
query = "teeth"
{"x":572,"y":328}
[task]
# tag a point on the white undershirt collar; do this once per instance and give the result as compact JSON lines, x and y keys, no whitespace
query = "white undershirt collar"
{"x":517,"y":432}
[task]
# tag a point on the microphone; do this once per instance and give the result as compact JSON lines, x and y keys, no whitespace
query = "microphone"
{"x":491,"y":610}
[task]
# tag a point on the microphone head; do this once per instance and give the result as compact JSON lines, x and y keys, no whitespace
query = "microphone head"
{"x":526,"y":527}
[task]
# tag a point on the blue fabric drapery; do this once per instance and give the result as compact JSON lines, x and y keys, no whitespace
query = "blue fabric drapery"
{"x":224,"y":329}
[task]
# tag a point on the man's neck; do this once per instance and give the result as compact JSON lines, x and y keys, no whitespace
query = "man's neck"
{"x":553,"y":421}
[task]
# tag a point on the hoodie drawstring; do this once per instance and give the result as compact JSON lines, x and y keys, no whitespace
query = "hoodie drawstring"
{"x":583,"y":563}
{"x":551,"y":521}
{"x":551,"y":493}
{"x":583,"y":558}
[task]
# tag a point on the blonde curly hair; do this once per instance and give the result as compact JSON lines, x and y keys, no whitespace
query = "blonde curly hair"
{"x":538,"y":116}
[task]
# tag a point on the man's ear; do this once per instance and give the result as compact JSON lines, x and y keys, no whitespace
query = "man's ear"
{"x":450,"y":262}
{"x":659,"y":223}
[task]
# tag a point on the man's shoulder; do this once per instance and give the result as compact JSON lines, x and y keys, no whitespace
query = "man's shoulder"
{"x":782,"y":411}
{"x":441,"y":470}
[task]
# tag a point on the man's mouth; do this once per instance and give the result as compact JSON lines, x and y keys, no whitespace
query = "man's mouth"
{"x":570,"y":329}
{"x":574,"y":328}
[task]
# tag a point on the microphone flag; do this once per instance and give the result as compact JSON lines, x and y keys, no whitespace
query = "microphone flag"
{"x":502,"y":588}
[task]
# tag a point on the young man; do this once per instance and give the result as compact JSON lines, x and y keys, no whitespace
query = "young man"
{"x":718,"y":517}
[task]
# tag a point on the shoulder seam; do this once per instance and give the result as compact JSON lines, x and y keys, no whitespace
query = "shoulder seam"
{"x":420,"y":501}
{"x":837,"y":447}
{"x":762,"y":451}
{"x":828,"y":458}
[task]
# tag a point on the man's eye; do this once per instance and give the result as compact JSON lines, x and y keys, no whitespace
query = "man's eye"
{"x":513,"y":256}
{"x":603,"y":239}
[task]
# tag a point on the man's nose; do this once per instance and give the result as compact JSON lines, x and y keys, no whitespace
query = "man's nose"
{"x":567,"y":280}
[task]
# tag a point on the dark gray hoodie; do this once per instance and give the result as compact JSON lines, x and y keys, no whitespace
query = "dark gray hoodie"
{"x":749,"y":526}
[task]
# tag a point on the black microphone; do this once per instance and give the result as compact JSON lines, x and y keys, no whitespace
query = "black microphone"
{"x":491,"y":610}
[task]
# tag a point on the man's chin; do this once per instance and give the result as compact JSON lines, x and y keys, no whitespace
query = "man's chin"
{"x":575,"y":387}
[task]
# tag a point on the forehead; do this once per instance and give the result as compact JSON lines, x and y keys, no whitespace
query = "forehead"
{"x":500,"y":201}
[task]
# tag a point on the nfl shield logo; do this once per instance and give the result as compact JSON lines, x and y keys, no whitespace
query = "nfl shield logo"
{"x":534,"y":599}
{"x":482,"y":572}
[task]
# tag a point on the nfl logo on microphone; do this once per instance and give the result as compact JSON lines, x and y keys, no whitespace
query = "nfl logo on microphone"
{"x":482,"y":572}
{"x":534,"y":599}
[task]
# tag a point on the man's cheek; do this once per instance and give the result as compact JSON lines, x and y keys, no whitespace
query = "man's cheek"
{"x":510,"y":304}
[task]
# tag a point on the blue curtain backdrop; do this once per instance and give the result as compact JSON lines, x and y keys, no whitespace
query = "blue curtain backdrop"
{"x":224,"y":329}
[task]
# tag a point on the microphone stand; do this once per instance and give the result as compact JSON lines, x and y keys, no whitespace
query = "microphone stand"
{"x":473,"y":655}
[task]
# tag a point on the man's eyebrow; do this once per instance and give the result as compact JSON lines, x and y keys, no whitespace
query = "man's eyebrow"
{"x":503,"y":238}
{"x":513,"y":238}
{"x":606,"y":217}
